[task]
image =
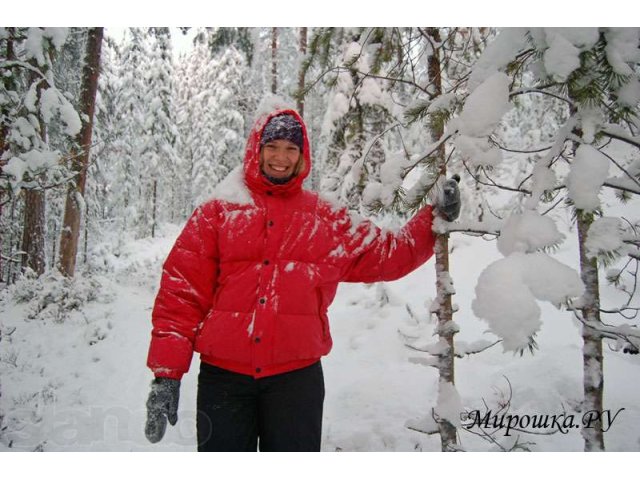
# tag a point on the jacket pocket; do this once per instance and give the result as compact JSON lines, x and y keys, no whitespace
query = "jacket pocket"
{"x":226,"y":335}
{"x":299,"y":337}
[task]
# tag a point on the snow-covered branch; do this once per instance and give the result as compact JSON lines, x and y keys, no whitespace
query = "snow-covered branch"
{"x":626,"y":335}
{"x":623,"y":138}
{"x":492,"y":183}
{"x":620,"y":167}
{"x":541,"y":91}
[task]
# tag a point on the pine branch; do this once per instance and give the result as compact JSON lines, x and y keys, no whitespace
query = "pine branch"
{"x":492,"y":182}
{"x":542,"y":92}
{"x":611,"y":184}
{"x":631,"y":177}
{"x":628,"y":334}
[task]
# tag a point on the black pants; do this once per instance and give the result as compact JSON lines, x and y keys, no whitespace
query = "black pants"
{"x":281,"y":413}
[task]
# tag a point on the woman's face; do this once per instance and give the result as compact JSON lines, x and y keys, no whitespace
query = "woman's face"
{"x":279,"y":158}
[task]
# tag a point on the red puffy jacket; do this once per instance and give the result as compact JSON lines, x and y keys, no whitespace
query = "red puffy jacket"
{"x":250,"y":278}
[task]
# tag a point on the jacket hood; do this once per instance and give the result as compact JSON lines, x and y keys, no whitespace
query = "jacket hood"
{"x":254,"y":178}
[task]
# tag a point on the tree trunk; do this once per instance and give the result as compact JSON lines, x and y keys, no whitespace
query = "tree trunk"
{"x":592,"y":360}
{"x":444,"y":310}
{"x":154,"y":208}
{"x":86,"y":233}
{"x":33,"y":231}
{"x":274,"y":62}
{"x":33,"y":227}
{"x":80,"y":155}
{"x":9,"y":85}
{"x":8,"y":82}
{"x":301,"y":74}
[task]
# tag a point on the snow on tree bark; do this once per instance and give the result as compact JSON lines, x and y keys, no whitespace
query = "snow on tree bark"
{"x":592,"y":359}
{"x":444,"y":310}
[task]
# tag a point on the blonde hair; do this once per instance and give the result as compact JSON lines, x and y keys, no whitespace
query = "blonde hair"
{"x":300,"y":165}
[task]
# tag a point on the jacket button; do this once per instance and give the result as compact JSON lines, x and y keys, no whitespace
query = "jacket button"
{"x":263,"y":300}
{"x":258,"y":370}
{"x":257,"y":340}
{"x":266,"y":262}
{"x":269,"y":192}
{"x":270,"y":223}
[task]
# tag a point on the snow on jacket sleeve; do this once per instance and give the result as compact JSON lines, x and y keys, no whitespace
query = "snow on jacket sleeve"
{"x":185,"y":296}
{"x":382,"y":256}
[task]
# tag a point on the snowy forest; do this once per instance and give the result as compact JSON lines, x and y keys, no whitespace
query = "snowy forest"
{"x":520,"y":334}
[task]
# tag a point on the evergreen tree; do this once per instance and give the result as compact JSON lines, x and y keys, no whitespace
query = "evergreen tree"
{"x":592,"y":75}
{"x":36,"y":109}
{"x":133,"y":111}
{"x":228,"y":127}
{"x":159,"y":133}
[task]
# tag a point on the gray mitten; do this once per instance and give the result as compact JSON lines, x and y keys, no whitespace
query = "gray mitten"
{"x":448,"y":203}
{"x":162,"y":405}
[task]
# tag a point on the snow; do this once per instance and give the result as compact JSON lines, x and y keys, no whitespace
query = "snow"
{"x":528,"y":232}
{"x":561,"y":58}
{"x":629,"y":93}
{"x":449,"y":405}
{"x":497,"y":55}
{"x":485,"y":107}
{"x":507,"y":292}
{"x":622,"y":48}
{"x":583,"y":38}
{"x":80,"y":384}
{"x":270,"y":104}
{"x":54,"y":104}
{"x":606,"y":234}
{"x":370,"y":93}
{"x":480,"y":115}
{"x":589,"y":171}
{"x":478,"y":151}
{"x":15,"y":169}
{"x":72,"y":356}
{"x":352,"y":50}
{"x":33,"y":45}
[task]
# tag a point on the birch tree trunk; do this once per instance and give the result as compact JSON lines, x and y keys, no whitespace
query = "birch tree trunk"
{"x":592,"y":359}
{"x":446,"y":328}
{"x":301,"y":74}
{"x":80,"y":155}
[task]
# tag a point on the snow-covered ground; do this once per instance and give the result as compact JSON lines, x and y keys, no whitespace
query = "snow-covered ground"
{"x":80,"y":383}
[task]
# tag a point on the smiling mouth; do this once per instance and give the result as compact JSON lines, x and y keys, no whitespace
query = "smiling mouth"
{"x":278,"y":168}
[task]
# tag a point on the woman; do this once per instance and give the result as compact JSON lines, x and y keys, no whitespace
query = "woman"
{"x":248,"y":284}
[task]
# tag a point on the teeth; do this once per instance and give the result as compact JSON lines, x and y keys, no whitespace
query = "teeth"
{"x":279,"y":169}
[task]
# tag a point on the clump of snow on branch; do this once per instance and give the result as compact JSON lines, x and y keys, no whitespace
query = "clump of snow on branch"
{"x":528,"y":232}
{"x":508,"y":290}
{"x":605,"y":236}
{"x":562,"y":48}
{"x":497,"y":55}
{"x":480,"y":115}
{"x":588,"y":173}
